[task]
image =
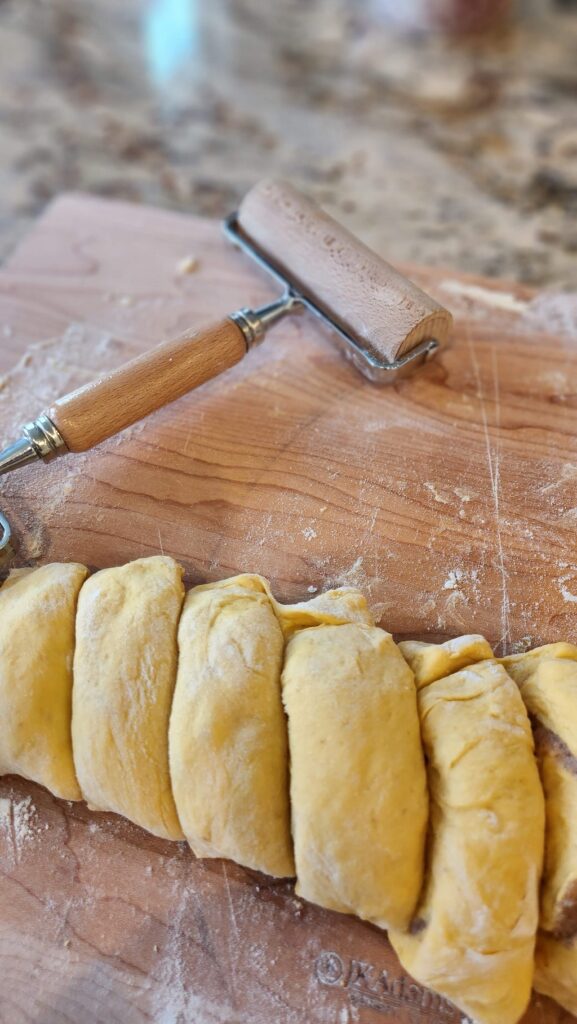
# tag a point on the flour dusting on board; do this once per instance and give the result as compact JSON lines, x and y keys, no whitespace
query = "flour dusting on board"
{"x":554,"y":313}
{"x":54,"y":367}
{"x":354,"y":576}
{"x":457,"y":577}
{"x":491,"y":297}
{"x":46,"y":370}
{"x":18,"y":823}
{"x":358,"y":576}
{"x":175,"y":998}
{"x":173,"y":1001}
{"x":567,"y":594}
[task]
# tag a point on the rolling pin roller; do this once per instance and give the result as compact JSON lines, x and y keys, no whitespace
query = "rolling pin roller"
{"x":385,"y":324}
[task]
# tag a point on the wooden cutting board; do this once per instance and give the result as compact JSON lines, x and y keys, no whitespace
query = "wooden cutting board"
{"x":451,"y":499}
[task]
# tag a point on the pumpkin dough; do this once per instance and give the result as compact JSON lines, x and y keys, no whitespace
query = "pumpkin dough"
{"x":37,"y":611}
{"x":547,"y":678}
{"x":228,"y":735}
{"x":124,"y":675}
{"x":334,"y":607}
{"x":556,"y":970}
{"x":228,"y":742}
{"x":430,"y":662}
{"x":473,"y":936}
{"x":358,"y":787}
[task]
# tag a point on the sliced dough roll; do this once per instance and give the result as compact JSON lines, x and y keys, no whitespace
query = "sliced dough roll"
{"x":358,"y":788}
{"x":547,"y":678}
{"x":473,"y":936}
{"x":124,"y":675}
{"x":37,"y":612}
{"x":228,"y":742}
{"x":556,"y":970}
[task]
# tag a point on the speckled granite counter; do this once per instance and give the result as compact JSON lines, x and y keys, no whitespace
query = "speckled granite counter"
{"x":438,"y":152}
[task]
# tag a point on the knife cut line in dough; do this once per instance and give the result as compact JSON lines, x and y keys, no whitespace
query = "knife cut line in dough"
{"x":228,"y":736}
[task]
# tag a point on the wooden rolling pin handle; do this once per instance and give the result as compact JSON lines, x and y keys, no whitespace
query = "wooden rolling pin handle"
{"x":102,"y":408}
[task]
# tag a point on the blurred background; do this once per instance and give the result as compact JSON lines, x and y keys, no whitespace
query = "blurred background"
{"x":441,"y":131}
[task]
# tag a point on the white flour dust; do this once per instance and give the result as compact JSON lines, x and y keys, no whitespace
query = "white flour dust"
{"x":173,"y":998}
{"x":457,"y":577}
{"x":491,"y":297}
{"x":567,"y":594}
{"x":18,"y":824}
{"x":555,"y":313}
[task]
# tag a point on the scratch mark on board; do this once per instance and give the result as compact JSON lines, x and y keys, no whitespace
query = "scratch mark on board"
{"x":494,"y":465}
{"x":230,"y":903}
{"x":187,"y":441}
{"x":234,"y":942}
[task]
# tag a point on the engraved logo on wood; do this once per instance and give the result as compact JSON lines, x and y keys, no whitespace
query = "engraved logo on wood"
{"x":369,"y":985}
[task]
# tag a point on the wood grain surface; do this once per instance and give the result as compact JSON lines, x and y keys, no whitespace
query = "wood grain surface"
{"x":450,"y":498}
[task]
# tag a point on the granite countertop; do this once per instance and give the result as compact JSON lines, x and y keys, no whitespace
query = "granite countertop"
{"x":436,"y":151}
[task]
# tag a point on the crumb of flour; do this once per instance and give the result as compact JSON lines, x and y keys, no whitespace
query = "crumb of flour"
{"x":187,"y":265}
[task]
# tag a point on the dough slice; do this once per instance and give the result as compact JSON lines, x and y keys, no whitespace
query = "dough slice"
{"x":430,"y":662}
{"x":547,"y":678}
{"x":228,"y":742}
{"x":124,"y":675}
{"x":358,"y":787}
{"x":473,"y":936}
{"x":556,"y":970}
{"x":334,"y":607}
{"x":37,"y":612}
